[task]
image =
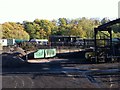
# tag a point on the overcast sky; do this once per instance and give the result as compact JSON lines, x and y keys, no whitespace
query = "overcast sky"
{"x":20,"y":10}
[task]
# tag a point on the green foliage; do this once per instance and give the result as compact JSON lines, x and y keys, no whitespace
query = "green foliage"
{"x":116,"y":30}
{"x":88,"y":26}
{"x":39,"y":29}
{"x":62,"y":22}
{"x":42,"y":29}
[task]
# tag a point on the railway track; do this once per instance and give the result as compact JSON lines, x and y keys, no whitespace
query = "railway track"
{"x":91,"y":76}
{"x":73,"y":72}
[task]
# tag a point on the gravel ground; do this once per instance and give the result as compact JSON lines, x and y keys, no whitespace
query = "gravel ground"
{"x":60,"y":73}
{"x":45,"y":82}
{"x":60,"y":81}
{"x":57,"y":75}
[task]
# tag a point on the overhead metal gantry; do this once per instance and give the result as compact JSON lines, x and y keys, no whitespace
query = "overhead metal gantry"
{"x":104,"y":27}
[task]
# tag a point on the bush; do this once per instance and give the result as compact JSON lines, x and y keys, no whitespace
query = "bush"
{"x":28,"y":46}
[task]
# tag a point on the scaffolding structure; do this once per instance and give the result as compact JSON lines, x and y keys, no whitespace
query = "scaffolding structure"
{"x":105,"y":52}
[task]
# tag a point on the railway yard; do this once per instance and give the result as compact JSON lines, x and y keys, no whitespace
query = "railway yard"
{"x":94,"y":65}
{"x":61,"y":73}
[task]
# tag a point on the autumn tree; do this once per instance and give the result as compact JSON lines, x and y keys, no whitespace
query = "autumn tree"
{"x":42,"y":29}
{"x":39,"y":29}
{"x":13,"y":30}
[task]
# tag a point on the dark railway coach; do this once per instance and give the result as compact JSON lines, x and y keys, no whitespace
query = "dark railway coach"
{"x":63,"y":40}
